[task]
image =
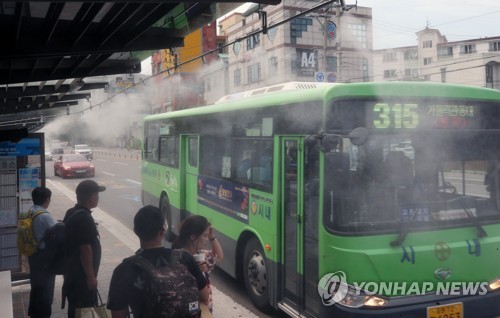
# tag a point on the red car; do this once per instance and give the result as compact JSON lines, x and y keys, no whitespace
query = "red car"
{"x":73,"y":165}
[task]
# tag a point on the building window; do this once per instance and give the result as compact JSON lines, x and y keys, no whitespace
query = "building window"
{"x":389,"y":73}
{"x":253,"y":72}
{"x":237,"y":77}
{"x":427,"y":60}
{"x":297,"y":26}
{"x":359,"y":33}
{"x":427,"y":77}
{"x":494,"y":46}
{"x":467,"y":49}
{"x":208,"y":86}
{"x":273,"y":66}
{"x":253,"y":41}
{"x":331,"y":64}
{"x":365,"y":70}
{"x":443,"y":74}
{"x":411,"y":72}
{"x":389,"y":57}
{"x":220,"y":47}
{"x":427,"y":44}
{"x":489,"y":74}
{"x":445,"y":51}
{"x":410,"y":55}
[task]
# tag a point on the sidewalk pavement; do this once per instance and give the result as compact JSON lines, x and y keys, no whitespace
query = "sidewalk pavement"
{"x":117,"y":242}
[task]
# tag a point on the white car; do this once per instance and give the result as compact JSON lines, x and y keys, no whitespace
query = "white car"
{"x":48,"y":156}
{"x":83,"y":149}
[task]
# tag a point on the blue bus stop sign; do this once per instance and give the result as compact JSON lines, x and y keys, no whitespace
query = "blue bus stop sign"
{"x":320,"y":77}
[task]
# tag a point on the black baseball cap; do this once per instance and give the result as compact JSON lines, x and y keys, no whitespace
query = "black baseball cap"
{"x":89,"y":186}
{"x":148,"y":221}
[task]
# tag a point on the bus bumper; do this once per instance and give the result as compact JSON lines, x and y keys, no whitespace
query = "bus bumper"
{"x":476,"y":306}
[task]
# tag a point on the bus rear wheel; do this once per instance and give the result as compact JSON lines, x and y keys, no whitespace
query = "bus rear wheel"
{"x":255,"y":275}
{"x":165,"y":210}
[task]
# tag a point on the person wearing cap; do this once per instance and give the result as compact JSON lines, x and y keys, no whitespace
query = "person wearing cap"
{"x":126,"y":287}
{"x":80,"y":281}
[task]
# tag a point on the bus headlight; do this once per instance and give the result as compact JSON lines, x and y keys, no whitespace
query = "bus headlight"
{"x":356,"y":299}
{"x":494,"y":284}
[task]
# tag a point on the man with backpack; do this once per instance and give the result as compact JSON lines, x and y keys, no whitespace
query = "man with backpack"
{"x":80,"y":279}
{"x":156,"y":281}
{"x":42,"y":282}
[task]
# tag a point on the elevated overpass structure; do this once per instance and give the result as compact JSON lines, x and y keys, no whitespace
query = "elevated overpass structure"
{"x":50,"y":49}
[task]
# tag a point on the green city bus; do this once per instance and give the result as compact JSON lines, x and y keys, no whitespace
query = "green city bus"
{"x":342,"y":200}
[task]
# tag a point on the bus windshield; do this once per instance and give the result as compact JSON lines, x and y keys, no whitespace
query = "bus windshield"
{"x":446,"y":175}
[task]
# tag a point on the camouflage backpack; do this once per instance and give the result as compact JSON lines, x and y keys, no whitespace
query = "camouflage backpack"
{"x":169,"y":290}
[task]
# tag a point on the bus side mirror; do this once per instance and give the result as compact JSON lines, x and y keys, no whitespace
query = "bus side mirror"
{"x":359,"y":136}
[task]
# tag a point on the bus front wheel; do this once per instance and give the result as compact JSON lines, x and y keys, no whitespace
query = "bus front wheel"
{"x":165,"y":210}
{"x":255,"y":275}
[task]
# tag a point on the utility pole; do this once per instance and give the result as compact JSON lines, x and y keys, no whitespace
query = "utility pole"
{"x":340,"y":8}
{"x":340,"y":11}
{"x":325,"y":39}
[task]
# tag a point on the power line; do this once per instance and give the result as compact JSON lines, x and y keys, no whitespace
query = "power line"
{"x":239,"y":39}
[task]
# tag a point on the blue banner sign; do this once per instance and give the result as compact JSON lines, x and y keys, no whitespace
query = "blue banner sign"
{"x":25,"y":147}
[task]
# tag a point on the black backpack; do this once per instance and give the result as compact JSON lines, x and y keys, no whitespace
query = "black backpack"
{"x":168,"y":291}
{"x":58,"y":254}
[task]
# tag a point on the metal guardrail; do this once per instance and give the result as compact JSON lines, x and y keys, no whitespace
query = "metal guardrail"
{"x":136,"y":155}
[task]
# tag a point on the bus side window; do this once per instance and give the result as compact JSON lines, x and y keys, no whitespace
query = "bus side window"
{"x":492,"y":180}
{"x":266,"y":166}
{"x":244,"y":163}
{"x":193,"y":151}
{"x":253,"y":160}
{"x":152,"y":148}
{"x":213,"y":150}
{"x":168,"y":151}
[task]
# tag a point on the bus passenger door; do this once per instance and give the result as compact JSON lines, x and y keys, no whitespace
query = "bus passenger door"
{"x":300,"y":193}
{"x":190,"y":173}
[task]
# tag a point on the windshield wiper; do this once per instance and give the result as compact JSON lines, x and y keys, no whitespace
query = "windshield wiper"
{"x":480,"y":230}
{"x":403,"y":232}
{"x":405,"y":226}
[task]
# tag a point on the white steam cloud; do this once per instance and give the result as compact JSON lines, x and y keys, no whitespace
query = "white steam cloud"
{"x":108,"y":122}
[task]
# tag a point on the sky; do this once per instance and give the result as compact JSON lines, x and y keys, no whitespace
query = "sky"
{"x":395,"y":22}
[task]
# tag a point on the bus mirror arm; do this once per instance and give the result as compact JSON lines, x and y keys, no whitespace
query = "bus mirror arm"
{"x":327,"y":142}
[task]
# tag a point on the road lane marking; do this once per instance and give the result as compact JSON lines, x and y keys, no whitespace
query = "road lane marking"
{"x":135,"y":198}
{"x":133,"y":181}
{"x":109,"y":174}
{"x":120,"y":163}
